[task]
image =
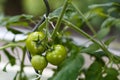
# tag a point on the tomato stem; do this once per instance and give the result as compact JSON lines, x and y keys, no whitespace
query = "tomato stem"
{"x":57,"y":26}
{"x":89,"y":37}
{"x":22,"y":63}
{"x":43,"y":18}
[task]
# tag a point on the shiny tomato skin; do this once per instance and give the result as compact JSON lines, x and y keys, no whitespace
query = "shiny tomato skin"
{"x":34,"y":43}
{"x":38,"y":62}
{"x":57,"y":55}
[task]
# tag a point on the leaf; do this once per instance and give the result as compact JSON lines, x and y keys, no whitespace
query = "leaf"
{"x":95,"y":13}
{"x":94,"y":72}
{"x":116,"y":59}
{"x":7,"y":20}
{"x":91,"y":48}
{"x":111,"y":74}
{"x":4,"y":69}
{"x":98,"y":54}
{"x":108,"y":41}
{"x":16,"y":26}
{"x":116,"y":5}
{"x":11,"y":59}
{"x":70,"y":68}
{"x":19,"y":17}
{"x":100,"y":5}
{"x":108,"y":22}
{"x":110,"y":4}
{"x":56,"y":12}
{"x":19,"y":20}
{"x":70,"y":15}
{"x":102,"y":33}
{"x":117,"y":22}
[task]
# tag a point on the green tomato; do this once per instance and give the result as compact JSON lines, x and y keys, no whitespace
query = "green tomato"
{"x":57,"y":55}
{"x":35,"y":44}
{"x":34,"y":7}
{"x":38,"y":62}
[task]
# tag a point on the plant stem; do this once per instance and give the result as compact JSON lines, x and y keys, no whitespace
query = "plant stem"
{"x":94,"y":32}
{"x":22,"y":63}
{"x":74,"y":27}
{"x":10,"y":45}
{"x":43,"y":18}
{"x":57,"y":26}
{"x":89,"y":37}
{"x":87,"y":22}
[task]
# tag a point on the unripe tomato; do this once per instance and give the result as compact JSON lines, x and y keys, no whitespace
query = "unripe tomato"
{"x":38,"y":62}
{"x":35,"y":44}
{"x":34,"y":7}
{"x":57,"y":55}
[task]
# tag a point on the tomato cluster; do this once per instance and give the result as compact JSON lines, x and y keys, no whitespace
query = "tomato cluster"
{"x":36,"y":44}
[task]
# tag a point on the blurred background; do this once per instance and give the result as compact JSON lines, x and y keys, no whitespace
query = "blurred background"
{"x":36,"y":7}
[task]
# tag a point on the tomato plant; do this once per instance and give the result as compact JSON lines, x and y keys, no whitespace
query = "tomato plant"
{"x":54,"y":38}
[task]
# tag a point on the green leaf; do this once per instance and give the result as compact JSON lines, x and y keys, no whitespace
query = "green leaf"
{"x":116,"y":59}
{"x":70,"y":68}
{"x":4,"y":69}
{"x":108,"y":41}
{"x":15,"y":27}
{"x":7,"y":20}
{"x":111,"y":74}
{"x":117,"y":22}
{"x":108,"y":22}
{"x":110,"y":4}
{"x":102,"y":33}
{"x":14,"y":31}
{"x":95,"y":13}
{"x":94,"y":72}
{"x":19,"y":20}
{"x":56,"y":12}
{"x":91,"y":48}
{"x":11,"y":59}
{"x":98,"y":54}
{"x":101,"y":5}
{"x":19,"y":17}
{"x":70,"y":15}
{"x":20,"y":23}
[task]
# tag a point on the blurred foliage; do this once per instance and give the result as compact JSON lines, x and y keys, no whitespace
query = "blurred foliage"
{"x":37,"y":7}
